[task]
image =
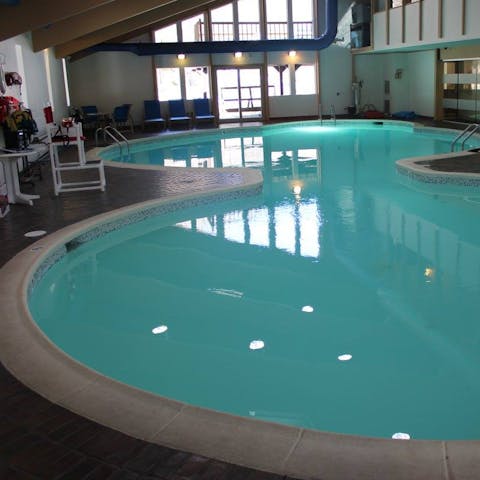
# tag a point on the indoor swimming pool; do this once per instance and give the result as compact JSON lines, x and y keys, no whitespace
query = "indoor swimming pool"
{"x":340,"y":299}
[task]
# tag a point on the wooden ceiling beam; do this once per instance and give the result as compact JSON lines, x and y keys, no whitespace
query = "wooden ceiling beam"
{"x":138,"y":25}
{"x":90,"y":21}
{"x":164,"y":22}
{"x":32,"y":14}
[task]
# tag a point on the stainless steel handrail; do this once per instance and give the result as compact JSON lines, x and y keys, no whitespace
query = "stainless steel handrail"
{"x":464,"y":135}
{"x":333,"y":115}
{"x":108,"y":131}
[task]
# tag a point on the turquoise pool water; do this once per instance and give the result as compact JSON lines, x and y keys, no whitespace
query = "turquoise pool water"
{"x":340,"y":299}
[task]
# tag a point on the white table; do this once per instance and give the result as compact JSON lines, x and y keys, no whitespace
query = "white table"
{"x":9,"y":160}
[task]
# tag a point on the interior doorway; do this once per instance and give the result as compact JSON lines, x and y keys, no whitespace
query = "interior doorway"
{"x":239,"y":93}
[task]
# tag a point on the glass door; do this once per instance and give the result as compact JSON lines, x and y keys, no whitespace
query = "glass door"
{"x":239,"y":93}
{"x":461,"y":90}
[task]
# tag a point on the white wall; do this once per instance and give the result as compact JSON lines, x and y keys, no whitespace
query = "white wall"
{"x":421,"y":68}
{"x":335,"y":79}
{"x":293,"y":106}
{"x":429,"y":34}
{"x":414,"y":90}
{"x":102,"y":79}
{"x":35,"y":69}
{"x":369,"y":69}
{"x":108,"y":79}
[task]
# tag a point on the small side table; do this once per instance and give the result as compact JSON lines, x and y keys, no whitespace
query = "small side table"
{"x":9,"y":160}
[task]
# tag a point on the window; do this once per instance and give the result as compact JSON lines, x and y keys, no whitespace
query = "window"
{"x":193,"y":29}
{"x":461,"y":90}
{"x":277,"y":19}
{"x":197,"y":83}
{"x":168,"y":82}
{"x":278,"y":80}
{"x":222,"y":23}
{"x":305,"y":79}
{"x":167,"y":34}
{"x":302,"y":14}
{"x":248,"y":20}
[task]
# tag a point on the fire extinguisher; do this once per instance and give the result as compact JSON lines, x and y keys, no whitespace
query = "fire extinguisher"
{"x":47,"y":111}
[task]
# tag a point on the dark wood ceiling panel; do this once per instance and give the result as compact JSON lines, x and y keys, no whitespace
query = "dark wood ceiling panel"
{"x":138,"y":25}
{"x":32,"y":14}
{"x":90,"y":21}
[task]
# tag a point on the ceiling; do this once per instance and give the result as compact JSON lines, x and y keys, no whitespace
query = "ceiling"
{"x":73,"y":26}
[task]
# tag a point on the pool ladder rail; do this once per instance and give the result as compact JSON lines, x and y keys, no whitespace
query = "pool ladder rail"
{"x":464,"y":135}
{"x":115,"y":135}
{"x":333,"y":115}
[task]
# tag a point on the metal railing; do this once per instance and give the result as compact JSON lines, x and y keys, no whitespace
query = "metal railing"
{"x":224,"y":31}
{"x":115,"y":135}
{"x":464,"y":135}
{"x":333,"y":114}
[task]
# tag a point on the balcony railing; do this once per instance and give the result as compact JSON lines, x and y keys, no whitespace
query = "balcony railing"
{"x":224,"y":31}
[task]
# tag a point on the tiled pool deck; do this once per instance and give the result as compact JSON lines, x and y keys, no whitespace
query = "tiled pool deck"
{"x":40,"y":440}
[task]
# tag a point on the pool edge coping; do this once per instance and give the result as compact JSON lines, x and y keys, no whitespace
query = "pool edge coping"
{"x":257,"y":444}
{"x":416,"y":168}
{"x":408,"y":167}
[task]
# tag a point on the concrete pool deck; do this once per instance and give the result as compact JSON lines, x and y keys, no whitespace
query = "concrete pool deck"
{"x":288,"y":451}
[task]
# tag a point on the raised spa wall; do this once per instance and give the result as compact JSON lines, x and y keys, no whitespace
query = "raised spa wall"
{"x":433,"y":169}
